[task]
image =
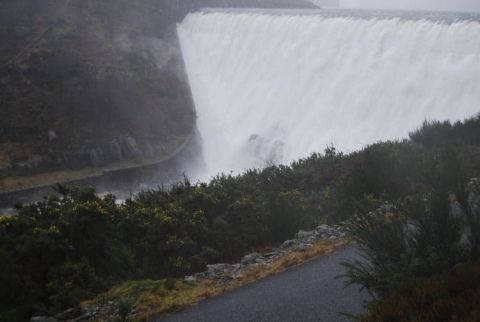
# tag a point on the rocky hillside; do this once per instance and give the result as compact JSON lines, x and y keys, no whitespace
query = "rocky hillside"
{"x":85,"y":83}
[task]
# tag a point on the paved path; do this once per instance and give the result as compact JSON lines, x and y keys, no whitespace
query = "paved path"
{"x":308,"y":292}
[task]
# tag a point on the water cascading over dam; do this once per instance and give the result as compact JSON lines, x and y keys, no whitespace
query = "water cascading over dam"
{"x":272,"y":88}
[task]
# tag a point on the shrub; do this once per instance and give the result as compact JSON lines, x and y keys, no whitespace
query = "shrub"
{"x":65,"y":248}
{"x":450,"y":296}
{"x":426,"y":236}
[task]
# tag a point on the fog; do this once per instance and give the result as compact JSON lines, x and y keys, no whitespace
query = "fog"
{"x":448,"y":5}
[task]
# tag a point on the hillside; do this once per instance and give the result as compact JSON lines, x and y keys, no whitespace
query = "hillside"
{"x":89,"y":84}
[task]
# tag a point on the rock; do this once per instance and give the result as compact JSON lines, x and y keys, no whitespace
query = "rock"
{"x":96,"y":156}
{"x":131,"y":146}
{"x":271,"y":254}
{"x":474,"y":197}
{"x":52,"y":135}
{"x":305,"y":234}
{"x":303,"y":246}
{"x":323,"y":228}
{"x":217,"y":267}
{"x":250,"y":259}
{"x":288,"y":243}
{"x":190,"y":279}
{"x":304,"y":240}
{"x":326,"y":232}
{"x":85,"y":316}
{"x":219,"y":271}
{"x":43,"y":319}
{"x":236,"y":267}
{"x":69,"y":314}
{"x":456,"y":210}
{"x":32,"y":163}
{"x":260,"y":260}
{"x":115,"y":150}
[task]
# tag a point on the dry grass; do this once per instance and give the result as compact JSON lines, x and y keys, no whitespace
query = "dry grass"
{"x":155,"y":298}
{"x":289,"y":260}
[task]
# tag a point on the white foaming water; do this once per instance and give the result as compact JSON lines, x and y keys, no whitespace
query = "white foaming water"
{"x":272,"y":88}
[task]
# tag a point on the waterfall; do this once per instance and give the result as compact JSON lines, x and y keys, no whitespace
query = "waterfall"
{"x":272,"y":88}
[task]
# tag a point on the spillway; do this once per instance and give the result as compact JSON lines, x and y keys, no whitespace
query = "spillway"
{"x":272,"y":87}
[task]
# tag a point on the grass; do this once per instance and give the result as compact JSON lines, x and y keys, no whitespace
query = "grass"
{"x":149,"y":298}
{"x":288,"y":261}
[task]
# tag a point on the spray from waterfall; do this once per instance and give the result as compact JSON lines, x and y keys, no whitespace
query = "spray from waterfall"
{"x":272,"y":88}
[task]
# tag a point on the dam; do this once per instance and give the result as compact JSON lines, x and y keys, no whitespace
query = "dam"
{"x":273,"y":86}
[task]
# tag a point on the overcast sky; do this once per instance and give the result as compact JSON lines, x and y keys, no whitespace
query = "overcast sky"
{"x":458,"y":5}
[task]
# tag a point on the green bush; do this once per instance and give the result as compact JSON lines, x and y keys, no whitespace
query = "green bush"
{"x":440,"y":133}
{"x":408,"y":252}
{"x":66,"y":248}
{"x":450,"y":296}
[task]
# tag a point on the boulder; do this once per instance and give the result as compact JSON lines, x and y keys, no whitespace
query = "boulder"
{"x":43,"y":319}
{"x":288,"y":244}
{"x":190,"y":279}
{"x":456,"y":210}
{"x":304,"y":234}
{"x":272,"y":254}
{"x":69,"y":314}
{"x":322,"y":228}
{"x":474,"y":197}
{"x":303,"y":240}
{"x":303,"y":246}
{"x":84,"y":317}
{"x":217,"y":269}
{"x":250,"y":259}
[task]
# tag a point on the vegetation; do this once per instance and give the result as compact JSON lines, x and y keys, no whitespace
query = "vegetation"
{"x":70,"y":78}
{"x":421,"y":252}
{"x":69,"y":247}
{"x":152,"y":298}
{"x":450,"y":296}
{"x":421,"y":261}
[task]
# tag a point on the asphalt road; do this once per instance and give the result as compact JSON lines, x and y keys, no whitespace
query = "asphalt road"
{"x":309,"y":292}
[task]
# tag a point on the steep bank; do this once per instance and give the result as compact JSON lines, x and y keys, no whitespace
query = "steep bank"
{"x":88,"y":84}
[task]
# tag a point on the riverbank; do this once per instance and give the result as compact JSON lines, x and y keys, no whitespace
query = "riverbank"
{"x":123,"y":178}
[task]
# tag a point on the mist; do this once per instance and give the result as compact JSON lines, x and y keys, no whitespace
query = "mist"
{"x":244,"y":105}
{"x":443,"y":5}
